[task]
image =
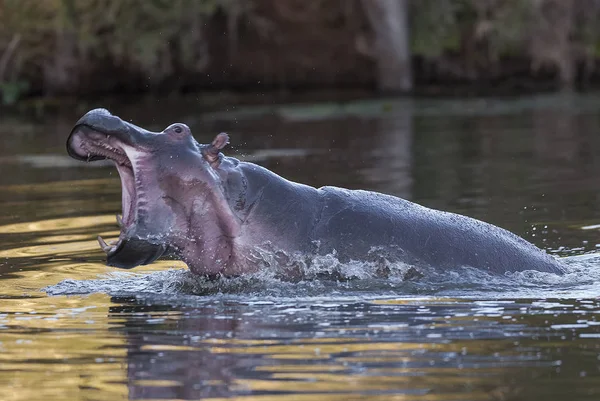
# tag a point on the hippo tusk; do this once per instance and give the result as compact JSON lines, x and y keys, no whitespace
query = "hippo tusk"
{"x":105,"y":247}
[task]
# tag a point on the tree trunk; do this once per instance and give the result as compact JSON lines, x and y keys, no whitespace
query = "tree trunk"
{"x":552,"y":30}
{"x":389,"y":23}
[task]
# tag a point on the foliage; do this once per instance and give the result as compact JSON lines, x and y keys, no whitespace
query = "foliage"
{"x":556,"y":33}
{"x":61,"y":37}
{"x":12,"y":91}
{"x":440,"y":26}
{"x":63,"y":43}
{"x":434,"y":27}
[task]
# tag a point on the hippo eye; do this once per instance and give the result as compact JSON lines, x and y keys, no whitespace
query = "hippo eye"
{"x":178,"y":129}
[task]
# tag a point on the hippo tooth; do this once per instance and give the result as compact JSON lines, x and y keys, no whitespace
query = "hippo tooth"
{"x":105,"y":247}
{"x":119,"y":220}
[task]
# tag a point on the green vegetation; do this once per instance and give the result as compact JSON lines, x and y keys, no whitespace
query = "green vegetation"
{"x":441,"y":26}
{"x":80,"y":46}
{"x":559,"y":35}
{"x":56,"y":45}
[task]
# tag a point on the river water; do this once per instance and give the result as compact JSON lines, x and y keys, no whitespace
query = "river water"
{"x":72,"y":328}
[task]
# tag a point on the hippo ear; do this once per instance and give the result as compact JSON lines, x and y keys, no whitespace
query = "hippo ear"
{"x":212,"y":151}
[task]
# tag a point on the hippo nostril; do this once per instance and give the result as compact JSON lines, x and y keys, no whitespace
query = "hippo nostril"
{"x":178,"y":129}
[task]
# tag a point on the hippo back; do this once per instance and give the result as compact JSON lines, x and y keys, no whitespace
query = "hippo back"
{"x":355,"y":223}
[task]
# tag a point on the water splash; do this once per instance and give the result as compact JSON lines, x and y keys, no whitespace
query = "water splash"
{"x":326,"y":275}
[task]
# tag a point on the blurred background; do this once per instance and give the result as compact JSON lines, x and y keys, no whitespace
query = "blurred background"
{"x":91,"y":47}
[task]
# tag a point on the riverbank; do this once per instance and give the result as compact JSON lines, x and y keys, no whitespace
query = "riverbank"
{"x":96,"y":48}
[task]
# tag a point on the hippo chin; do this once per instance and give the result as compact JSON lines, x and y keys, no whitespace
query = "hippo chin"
{"x":215,"y":213}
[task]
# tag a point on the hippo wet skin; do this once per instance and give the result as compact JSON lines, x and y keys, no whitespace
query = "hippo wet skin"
{"x":214,"y":212}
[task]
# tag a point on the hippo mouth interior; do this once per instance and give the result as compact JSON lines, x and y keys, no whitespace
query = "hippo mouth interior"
{"x":89,"y":145}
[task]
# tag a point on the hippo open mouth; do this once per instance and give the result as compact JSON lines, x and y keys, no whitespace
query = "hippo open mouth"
{"x":95,"y":138}
{"x":92,"y":145}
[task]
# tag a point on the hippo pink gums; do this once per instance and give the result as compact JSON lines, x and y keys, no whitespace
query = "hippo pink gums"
{"x":213,"y":212}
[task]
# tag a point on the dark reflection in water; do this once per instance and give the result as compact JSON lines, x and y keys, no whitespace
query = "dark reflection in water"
{"x":530,"y":165}
{"x":457,"y":350}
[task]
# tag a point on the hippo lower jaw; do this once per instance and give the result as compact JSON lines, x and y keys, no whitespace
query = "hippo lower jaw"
{"x":90,"y":144}
{"x":128,"y":253}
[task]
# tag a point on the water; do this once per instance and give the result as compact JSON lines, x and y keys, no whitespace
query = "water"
{"x":72,"y":328}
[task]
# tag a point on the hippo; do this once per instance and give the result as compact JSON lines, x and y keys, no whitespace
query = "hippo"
{"x":219,"y":215}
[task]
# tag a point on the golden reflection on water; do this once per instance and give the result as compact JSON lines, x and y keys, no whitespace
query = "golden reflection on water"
{"x":55,"y":249}
{"x":320,"y":384}
{"x":52,"y":254}
{"x":66,"y":187}
{"x":361,"y":397}
{"x":46,"y":353}
{"x":57,"y":225}
{"x":62,"y":347}
{"x":319,"y":380}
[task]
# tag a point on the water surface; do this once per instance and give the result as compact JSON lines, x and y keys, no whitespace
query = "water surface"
{"x":72,"y":328}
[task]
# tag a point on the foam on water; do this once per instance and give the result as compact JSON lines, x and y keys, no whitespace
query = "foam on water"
{"x":327,"y":276}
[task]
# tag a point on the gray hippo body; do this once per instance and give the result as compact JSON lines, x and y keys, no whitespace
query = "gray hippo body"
{"x":364,"y":225}
{"x":215,"y":212}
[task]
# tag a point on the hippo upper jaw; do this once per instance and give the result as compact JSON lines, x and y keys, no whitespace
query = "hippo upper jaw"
{"x":99,"y":136}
